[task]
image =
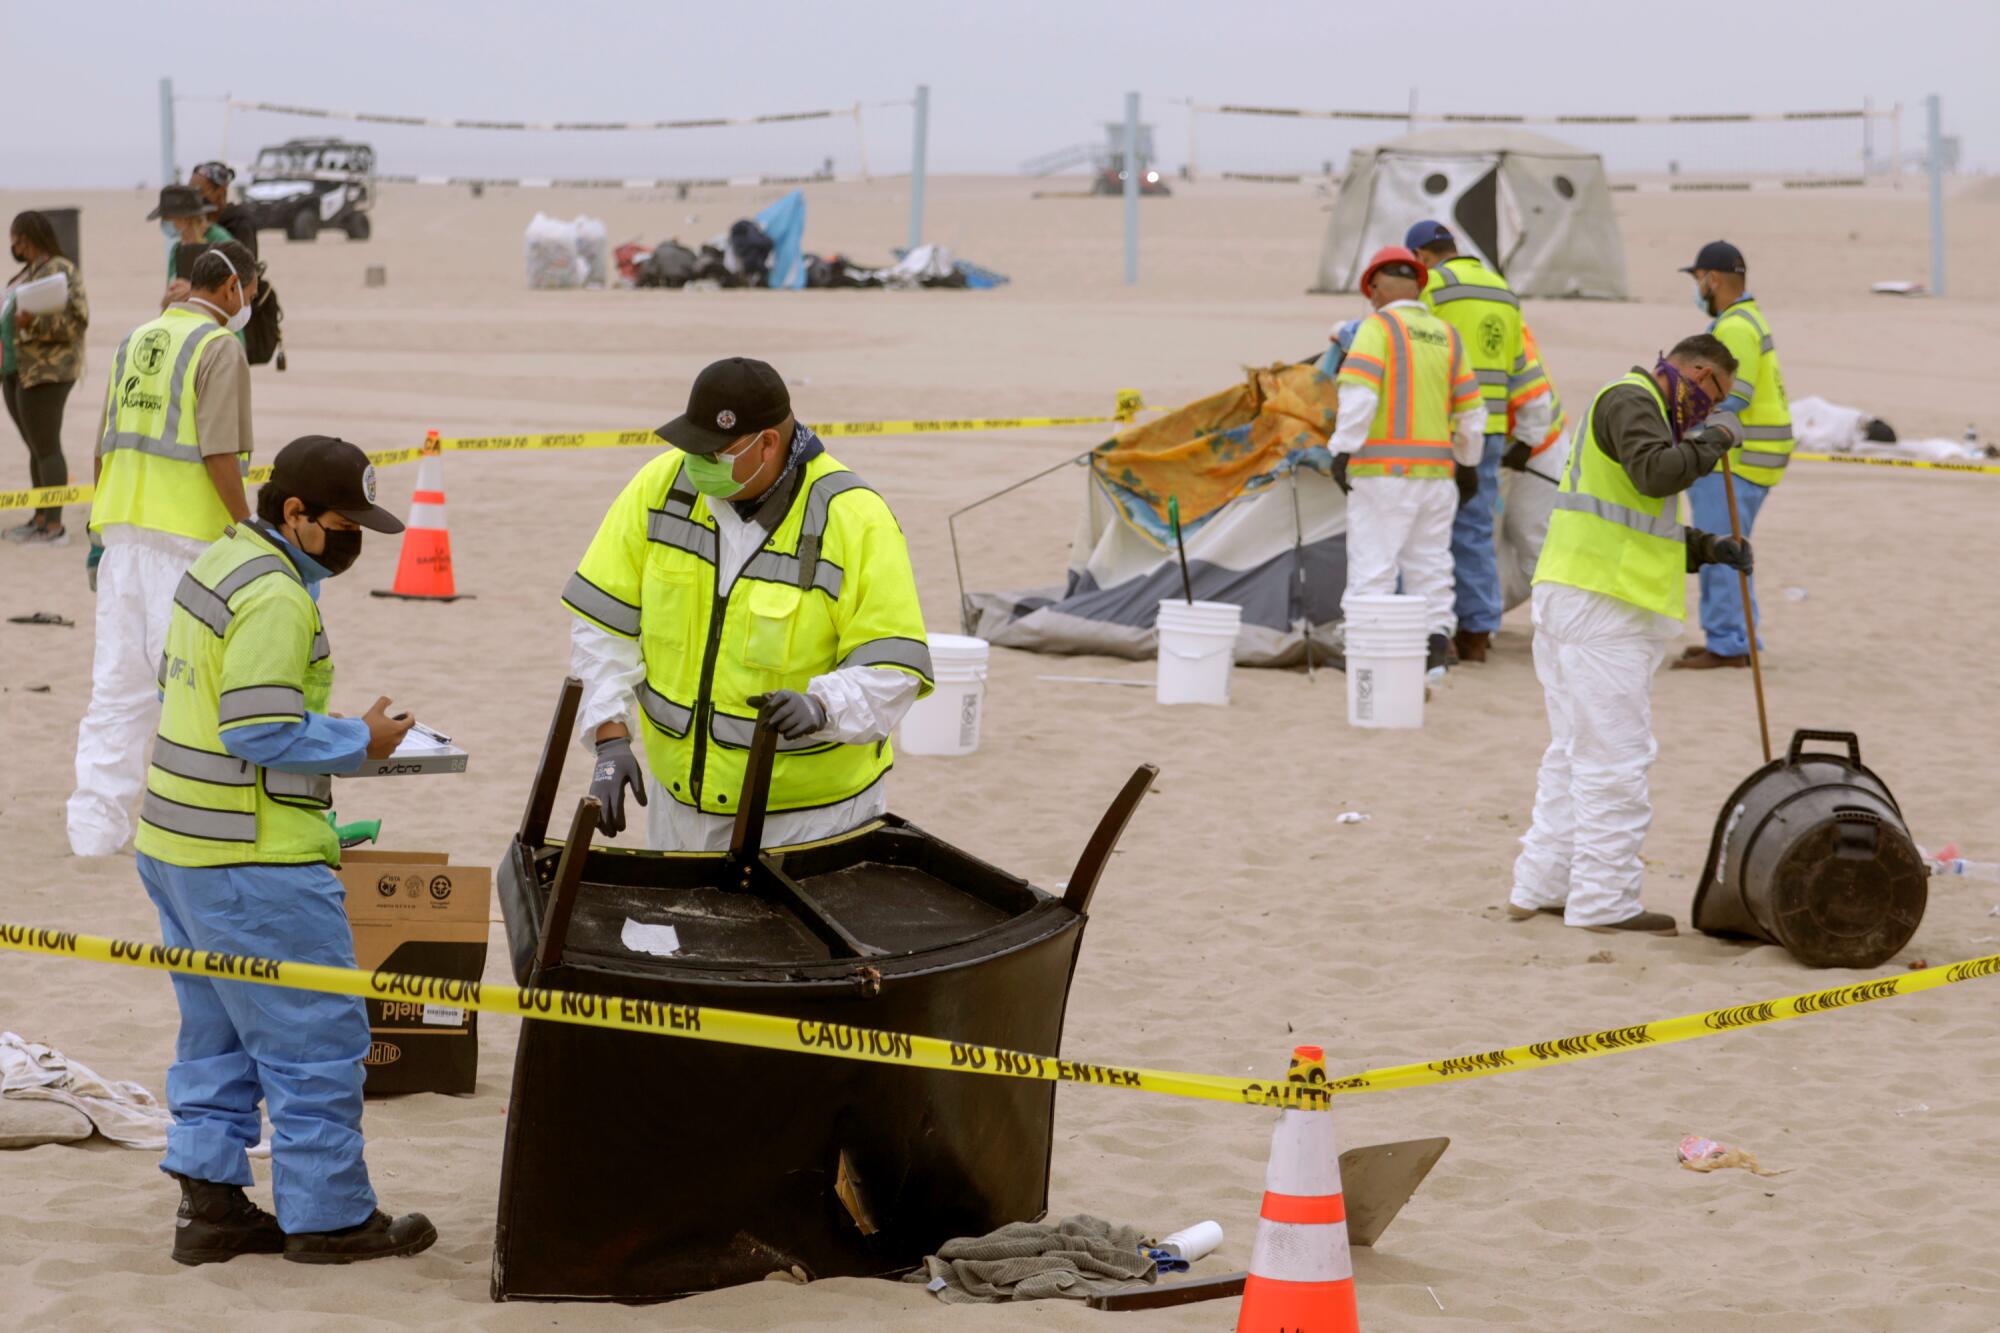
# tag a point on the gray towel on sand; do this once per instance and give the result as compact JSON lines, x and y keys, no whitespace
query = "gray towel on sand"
{"x":1029,"y":1261}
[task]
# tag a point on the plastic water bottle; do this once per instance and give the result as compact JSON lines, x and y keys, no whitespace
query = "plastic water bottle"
{"x":1947,"y":861}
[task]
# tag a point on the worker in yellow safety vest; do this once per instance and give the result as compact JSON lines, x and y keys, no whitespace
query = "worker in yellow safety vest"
{"x":172,"y":448}
{"x":744,"y":569}
{"x":1759,"y":463}
{"x":1610,"y":591}
{"x":1476,"y":300}
{"x":1407,"y":431}
{"x":236,"y":852}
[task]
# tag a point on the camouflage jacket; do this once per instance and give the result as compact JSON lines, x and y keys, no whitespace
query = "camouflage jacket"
{"x":50,"y":349}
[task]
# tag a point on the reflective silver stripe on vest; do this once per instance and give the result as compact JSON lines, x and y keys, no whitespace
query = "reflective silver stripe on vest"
{"x":247,"y":573}
{"x":1465,"y":291}
{"x":162,"y":678}
{"x":680,"y":503}
{"x":1783,"y":432}
{"x":823,"y":491}
{"x":1493,"y":378}
{"x":1399,"y":364}
{"x":192,"y":821}
{"x":586,"y":598}
{"x":314,"y":788}
{"x":321,"y":650}
{"x":777,"y":567}
{"x":147,"y":444}
{"x":111,"y":395}
{"x":170,"y":429}
{"x":1522,"y":381}
{"x":1395,"y":450}
{"x":683,"y":534}
{"x":1749,"y":459}
{"x":664,"y":713}
{"x":260,"y":701}
{"x":893,"y":652}
{"x":203,"y":605}
{"x":224,"y":770}
{"x":1653,"y":525}
{"x":738,"y":732}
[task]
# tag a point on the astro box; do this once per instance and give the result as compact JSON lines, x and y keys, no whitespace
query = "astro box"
{"x":414,"y":913}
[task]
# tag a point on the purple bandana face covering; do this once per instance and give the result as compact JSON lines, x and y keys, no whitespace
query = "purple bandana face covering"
{"x":1688,"y":404}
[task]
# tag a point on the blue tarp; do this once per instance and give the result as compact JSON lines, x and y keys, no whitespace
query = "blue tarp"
{"x":785,"y":223}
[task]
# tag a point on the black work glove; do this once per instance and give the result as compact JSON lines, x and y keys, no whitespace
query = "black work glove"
{"x":1517,"y":456}
{"x":795,"y":715}
{"x":1468,"y":483}
{"x":1733,"y":552}
{"x":617,"y":768}
{"x":1340,"y":474}
{"x":1706,"y":548}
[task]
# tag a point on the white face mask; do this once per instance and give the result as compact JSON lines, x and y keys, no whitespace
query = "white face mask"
{"x":234,"y":323}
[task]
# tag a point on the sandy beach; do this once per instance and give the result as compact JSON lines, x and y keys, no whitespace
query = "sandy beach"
{"x":1239,"y":917}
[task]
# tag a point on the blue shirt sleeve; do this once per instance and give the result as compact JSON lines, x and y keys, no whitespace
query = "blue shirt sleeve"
{"x":319,"y":744}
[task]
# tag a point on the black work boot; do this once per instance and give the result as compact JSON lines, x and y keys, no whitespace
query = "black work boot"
{"x":218,"y":1222}
{"x":1437,"y":653}
{"x":380,"y":1237}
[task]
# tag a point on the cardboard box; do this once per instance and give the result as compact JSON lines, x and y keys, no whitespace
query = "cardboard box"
{"x":415,"y":913}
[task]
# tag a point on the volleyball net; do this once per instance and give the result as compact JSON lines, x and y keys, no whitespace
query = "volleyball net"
{"x":1842,"y":147}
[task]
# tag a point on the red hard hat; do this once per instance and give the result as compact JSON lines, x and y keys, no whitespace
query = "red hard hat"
{"x":1394,"y":254}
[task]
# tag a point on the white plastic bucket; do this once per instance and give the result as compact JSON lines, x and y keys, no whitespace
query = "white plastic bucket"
{"x":1386,"y":640}
{"x":1385,"y":691}
{"x":946,"y":721}
{"x":43,"y":296}
{"x":1197,"y":651}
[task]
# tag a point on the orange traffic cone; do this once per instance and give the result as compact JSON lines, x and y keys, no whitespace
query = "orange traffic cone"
{"x":423,"y":571}
{"x":1301,"y":1276}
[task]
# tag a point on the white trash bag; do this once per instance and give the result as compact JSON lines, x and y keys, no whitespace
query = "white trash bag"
{"x":593,"y":246}
{"x":551,"y":249}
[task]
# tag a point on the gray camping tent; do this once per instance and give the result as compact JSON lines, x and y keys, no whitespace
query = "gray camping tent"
{"x":1534,"y":208}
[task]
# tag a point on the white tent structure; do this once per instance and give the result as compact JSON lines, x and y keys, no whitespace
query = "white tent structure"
{"x":1535,"y":209}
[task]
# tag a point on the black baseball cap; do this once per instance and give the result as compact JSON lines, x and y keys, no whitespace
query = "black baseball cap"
{"x":1717,"y":257}
{"x":332,"y":474}
{"x":730,"y":399}
{"x":179,"y":201}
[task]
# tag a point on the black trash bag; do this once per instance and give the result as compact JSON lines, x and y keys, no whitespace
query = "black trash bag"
{"x":711,"y":267}
{"x":670,"y":265}
{"x":263,"y":334}
{"x":750,"y":248}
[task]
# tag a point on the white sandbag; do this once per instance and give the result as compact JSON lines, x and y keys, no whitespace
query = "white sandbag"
{"x":593,"y":247}
{"x":550,"y":247}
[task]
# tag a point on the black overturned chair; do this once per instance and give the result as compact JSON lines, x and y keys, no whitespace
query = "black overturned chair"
{"x":642,"y":1168}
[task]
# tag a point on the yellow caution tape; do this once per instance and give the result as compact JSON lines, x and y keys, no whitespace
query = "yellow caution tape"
{"x":698,"y":1022}
{"x":1129,"y":405}
{"x":843,"y":1041}
{"x":1610,"y":1041}
{"x":1900,"y":462}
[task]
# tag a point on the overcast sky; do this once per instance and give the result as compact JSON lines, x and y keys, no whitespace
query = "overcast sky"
{"x":1008,"y":80}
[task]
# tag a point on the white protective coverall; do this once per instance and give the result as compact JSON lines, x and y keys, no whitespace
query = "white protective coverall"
{"x":136,"y":578}
{"x":1595,"y":656}
{"x":863,"y":705}
{"x":1403,"y":524}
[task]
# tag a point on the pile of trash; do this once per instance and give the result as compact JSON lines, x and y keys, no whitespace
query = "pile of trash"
{"x":767,"y":250}
{"x":573,"y":253}
{"x":1829,"y":428}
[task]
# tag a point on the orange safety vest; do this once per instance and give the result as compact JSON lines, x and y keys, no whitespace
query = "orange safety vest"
{"x":1416,"y":365}
{"x":1531,"y":384}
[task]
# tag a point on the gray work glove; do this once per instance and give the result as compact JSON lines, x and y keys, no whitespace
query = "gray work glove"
{"x":617,"y":769}
{"x":1715,"y":437}
{"x":795,"y":715}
